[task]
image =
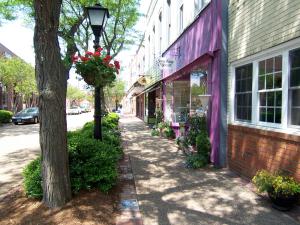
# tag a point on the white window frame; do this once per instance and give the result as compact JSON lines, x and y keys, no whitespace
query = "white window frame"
{"x":180,"y":24}
{"x":282,"y":50}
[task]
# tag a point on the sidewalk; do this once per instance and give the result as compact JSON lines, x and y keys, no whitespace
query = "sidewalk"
{"x":168,"y":193}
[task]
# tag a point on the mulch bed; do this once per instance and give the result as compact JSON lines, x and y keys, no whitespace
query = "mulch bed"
{"x":87,"y":207}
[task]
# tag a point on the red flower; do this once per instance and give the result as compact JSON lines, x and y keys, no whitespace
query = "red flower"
{"x":88,"y":53}
{"x":106,"y":59}
{"x":74,"y":58}
{"x":84,"y":59}
{"x":97,"y":54}
{"x":117,"y":64}
{"x":99,"y":49}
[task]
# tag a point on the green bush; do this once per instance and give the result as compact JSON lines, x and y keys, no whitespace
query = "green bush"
{"x":92,"y":163}
{"x":169,"y":133}
{"x":33,"y":179}
{"x":203,"y":144}
{"x":197,"y":125}
{"x":155,"y":132}
{"x":201,"y":158}
{"x":196,"y":161}
{"x":159,"y":115}
{"x":5,"y":116}
{"x":275,"y":184}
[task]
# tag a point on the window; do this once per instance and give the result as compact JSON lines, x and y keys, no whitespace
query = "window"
{"x":168,"y":22}
{"x":294,"y":87}
{"x":160,"y":32}
{"x":181,"y":18}
{"x":181,"y":100}
{"x":153,"y":47}
{"x":243,"y":92}
{"x":267,"y":91}
{"x":270,"y":89}
{"x":199,"y":86}
{"x":200,"y":4}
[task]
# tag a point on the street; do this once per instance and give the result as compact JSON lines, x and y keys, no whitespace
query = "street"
{"x":19,"y":144}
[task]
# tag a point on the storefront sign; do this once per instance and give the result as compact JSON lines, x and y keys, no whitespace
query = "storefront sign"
{"x":165,"y":63}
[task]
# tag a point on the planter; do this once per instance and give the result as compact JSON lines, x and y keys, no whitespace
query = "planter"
{"x":283,"y":202}
{"x":89,"y":79}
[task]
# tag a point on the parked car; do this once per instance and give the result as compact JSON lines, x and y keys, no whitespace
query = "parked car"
{"x":85,"y":108}
{"x":28,"y":115}
{"x":75,"y":110}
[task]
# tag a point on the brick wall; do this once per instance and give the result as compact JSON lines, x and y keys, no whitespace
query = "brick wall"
{"x":251,"y":149}
{"x":256,"y":25}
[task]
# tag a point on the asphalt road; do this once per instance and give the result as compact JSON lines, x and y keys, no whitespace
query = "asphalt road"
{"x":19,"y":144}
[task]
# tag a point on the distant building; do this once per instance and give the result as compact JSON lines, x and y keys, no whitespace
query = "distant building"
{"x":6,"y":93}
{"x":8,"y":99}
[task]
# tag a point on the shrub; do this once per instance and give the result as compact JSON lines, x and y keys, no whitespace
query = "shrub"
{"x":275,"y":184}
{"x":5,"y":116}
{"x":155,"y":132}
{"x":196,"y":161}
{"x":158,"y":116}
{"x":32,"y":174}
{"x":203,"y":144}
{"x":92,"y":163}
{"x":197,"y":125}
{"x":201,"y":158}
{"x":169,"y":133}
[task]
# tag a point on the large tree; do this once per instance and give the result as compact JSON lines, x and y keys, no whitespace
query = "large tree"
{"x":52,"y":86}
{"x":64,"y":22}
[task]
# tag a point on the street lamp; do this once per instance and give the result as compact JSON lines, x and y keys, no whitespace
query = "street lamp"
{"x":97,"y":16}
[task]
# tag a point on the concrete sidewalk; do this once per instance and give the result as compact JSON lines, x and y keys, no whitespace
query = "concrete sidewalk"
{"x":168,"y":193}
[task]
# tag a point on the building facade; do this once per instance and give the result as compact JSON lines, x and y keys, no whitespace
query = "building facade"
{"x":6,"y":92}
{"x":185,"y":52}
{"x":264,"y":86}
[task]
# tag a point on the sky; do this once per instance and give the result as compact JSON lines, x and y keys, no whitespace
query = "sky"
{"x":18,"y":37}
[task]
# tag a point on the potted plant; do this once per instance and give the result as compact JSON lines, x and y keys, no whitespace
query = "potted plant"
{"x":283,"y":191}
{"x":96,"y":68}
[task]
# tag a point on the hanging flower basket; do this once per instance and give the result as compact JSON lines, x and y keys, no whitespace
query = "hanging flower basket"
{"x":96,"y":68}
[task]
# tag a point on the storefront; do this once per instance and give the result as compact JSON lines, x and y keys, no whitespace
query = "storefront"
{"x":197,"y":58}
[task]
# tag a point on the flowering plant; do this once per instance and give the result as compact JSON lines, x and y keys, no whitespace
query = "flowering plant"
{"x":96,"y":68}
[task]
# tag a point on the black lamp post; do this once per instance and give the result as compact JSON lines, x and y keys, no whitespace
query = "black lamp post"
{"x":98,"y":16}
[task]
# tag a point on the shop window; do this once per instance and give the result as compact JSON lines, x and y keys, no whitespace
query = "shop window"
{"x":294,"y":87}
{"x":181,"y":100}
{"x":270,"y":89}
{"x":198,"y":87}
{"x":243,"y":92}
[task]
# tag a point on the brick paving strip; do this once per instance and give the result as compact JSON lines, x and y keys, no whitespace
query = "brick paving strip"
{"x":168,"y":193}
{"x":128,"y":207}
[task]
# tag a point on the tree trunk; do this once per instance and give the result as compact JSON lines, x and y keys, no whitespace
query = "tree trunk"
{"x":52,"y":87}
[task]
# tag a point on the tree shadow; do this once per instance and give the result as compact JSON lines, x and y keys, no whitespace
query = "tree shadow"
{"x":169,"y":193}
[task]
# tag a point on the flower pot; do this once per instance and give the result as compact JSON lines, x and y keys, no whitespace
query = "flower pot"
{"x":89,"y":79}
{"x":283,"y":202}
